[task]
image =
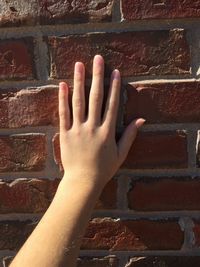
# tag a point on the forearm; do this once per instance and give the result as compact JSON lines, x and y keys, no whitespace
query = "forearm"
{"x":56,"y":240}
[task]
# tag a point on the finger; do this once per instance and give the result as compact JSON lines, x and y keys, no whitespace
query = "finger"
{"x":96,"y":92}
{"x":78,"y":97}
{"x":64,"y":112}
{"x":111,"y":110}
{"x":127,"y":139}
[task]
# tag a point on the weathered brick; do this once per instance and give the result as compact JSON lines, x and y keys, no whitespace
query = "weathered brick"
{"x":35,"y":195}
{"x":27,"y":196}
{"x":160,"y":9}
{"x":97,"y":262}
{"x":158,"y":150}
{"x":33,"y":12}
{"x":22,"y":152}
{"x":165,"y":261}
{"x":132,"y":235}
{"x":29,"y":107}
{"x":196,"y":230}
{"x":13,"y":234}
{"x":79,"y":11}
{"x":16,"y":59}
{"x":106,"y":234}
{"x":164,"y":194}
{"x":163,"y":102}
{"x":133,"y":53}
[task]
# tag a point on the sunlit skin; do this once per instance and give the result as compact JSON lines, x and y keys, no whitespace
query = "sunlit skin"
{"x":90,"y":157}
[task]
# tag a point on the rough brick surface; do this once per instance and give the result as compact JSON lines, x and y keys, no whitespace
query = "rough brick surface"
{"x":35,"y":195}
{"x":106,"y":234}
{"x":165,"y":261}
{"x":158,"y":150}
{"x":163,"y":102}
{"x":16,"y":59}
{"x":98,"y":262}
{"x":27,"y":196}
{"x":18,"y":13}
{"x":13,"y":234}
{"x":133,"y":53}
{"x":28,"y":107}
{"x":136,"y":9}
{"x":132,"y":235}
{"x":196,"y":230}
{"x":22,"y":152}
{"x":164,"y":194}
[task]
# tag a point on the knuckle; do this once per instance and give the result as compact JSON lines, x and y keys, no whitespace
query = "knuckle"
{"x":77,"y":102}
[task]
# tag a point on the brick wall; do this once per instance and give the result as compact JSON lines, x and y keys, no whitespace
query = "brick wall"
{"x":148,"y":214}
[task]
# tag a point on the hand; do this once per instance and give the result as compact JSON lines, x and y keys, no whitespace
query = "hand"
{"x":89,"y":151}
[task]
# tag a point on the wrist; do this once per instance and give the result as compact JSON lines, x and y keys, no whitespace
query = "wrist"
{"x":81,"y":182}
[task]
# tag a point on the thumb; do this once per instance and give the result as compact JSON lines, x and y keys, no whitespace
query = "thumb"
{"x":127,"y":139}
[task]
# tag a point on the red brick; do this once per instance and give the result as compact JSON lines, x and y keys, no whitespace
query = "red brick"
{"x":20,"y":13}
{"x":22,"y":152}
{"x":97,"y":262}
{"x":27,"y":196}
{"x":196,"y":230}
{"x":106,"y":234}
{"x":158,"y":9}
{"x":157,"y":151}
{"x":164,"y":195}
{"x":35,"y":195}
{"x":132,"y":235}
{"x":16,"y":59}
{"x":133,"y":53}
{"x":13,"y":234}
{"x":165,"y":261}
{"x":163,"y":102}
{"x":79,"y":11}
{"x":29,"y":107}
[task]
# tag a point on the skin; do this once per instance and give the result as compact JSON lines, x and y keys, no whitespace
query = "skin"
{"x":56,"y":240}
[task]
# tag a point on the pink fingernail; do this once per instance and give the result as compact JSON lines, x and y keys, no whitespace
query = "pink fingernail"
{"x":116,"y":74}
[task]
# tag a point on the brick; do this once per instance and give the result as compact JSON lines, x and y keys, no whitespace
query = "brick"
{"x":78,"y":11}
{"x":22,"y":152}
{"x":164,"y":194}
{"x":106,"y":234}
{"x":16,"y":59}
{"x":165,"y":261}
{"x":13,"y":234}
{"x":29,"y":107}
{"x":133,"y":53}
{"x":160,"y":9}
{"x":27,"y":195}
{"x":114,"y":235}
{"x":196,"y":230}
{"x":33,"y":12}
{"x":35,"y":195}
{"x":97,"y":262}
{"x":163,"y":102}
{"x":158,"y":150}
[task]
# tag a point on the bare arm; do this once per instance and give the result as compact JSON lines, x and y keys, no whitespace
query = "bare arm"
{"x":90,"y":157}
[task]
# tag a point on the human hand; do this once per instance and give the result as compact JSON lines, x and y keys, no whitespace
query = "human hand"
{"x":89,"y":151}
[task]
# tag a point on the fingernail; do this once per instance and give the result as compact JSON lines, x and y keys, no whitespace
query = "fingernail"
{"x":140,"y":122}
{"x":98,"y":59}
{"x":116,"y":74}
